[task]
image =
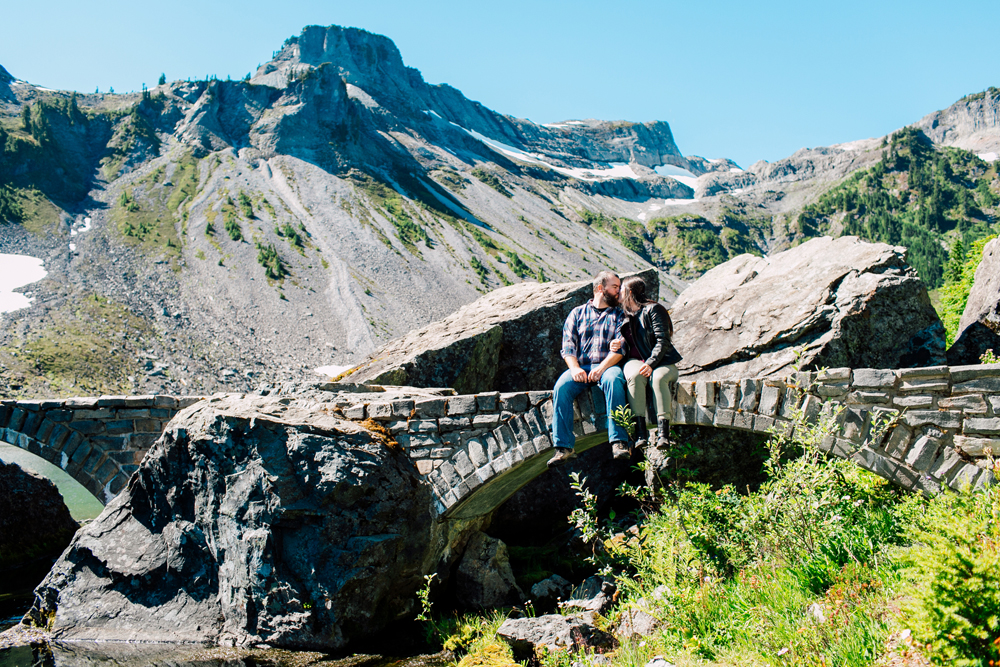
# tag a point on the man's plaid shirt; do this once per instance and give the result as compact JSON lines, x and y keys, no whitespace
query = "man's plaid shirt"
{"x":588,"y":333}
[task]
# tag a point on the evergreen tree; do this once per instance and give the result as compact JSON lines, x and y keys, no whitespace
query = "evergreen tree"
{"x":26,"y":118}
{"x":163,"y":80}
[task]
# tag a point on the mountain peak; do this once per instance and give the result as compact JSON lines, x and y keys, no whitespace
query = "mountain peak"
{"x":361,"y":58}
{"x":5,"y":76}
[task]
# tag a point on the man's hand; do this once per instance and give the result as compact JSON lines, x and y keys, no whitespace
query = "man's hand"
{"x":595,"y":374}
{"x":579,"y":375}
{"x":616,"y":344}
{"x":646,"y":370}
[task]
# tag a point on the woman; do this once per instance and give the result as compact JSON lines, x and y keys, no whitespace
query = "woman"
{"x":651,"y":357}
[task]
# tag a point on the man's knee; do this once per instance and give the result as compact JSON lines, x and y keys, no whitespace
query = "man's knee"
{"x":615,"y":374}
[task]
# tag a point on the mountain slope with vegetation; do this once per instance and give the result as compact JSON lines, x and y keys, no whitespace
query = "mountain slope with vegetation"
{"x":919,"y":195}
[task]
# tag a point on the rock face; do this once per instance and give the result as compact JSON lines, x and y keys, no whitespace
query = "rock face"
{"x":508,"y":340}
{"x":972,"y":123}
{"x":34,"y":520}
{"x":252,"y":520}
{"x":484,"y":578}
{"x":839,"y":302}
{"x":979,"y":328}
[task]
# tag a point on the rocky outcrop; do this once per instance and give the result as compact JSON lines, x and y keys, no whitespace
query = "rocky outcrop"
{"x":552,"y":632}
{"x":508,"y":340}
{"x":823,"y":165}
{"x":828,"y":302}
{"x":257,"y":519}
{"x":972,"y":123}
{"x":34,"y":520}
{"x":372,"y":65}
{"x":979,"y":328}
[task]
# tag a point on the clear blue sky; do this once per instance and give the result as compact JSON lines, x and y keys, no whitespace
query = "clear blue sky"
{"x":745,"y":80}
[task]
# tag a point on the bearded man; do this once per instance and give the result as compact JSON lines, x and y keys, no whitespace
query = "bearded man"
{"x":586,"y":342}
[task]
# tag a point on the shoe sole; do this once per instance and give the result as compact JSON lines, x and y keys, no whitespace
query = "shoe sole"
{"x":560,"y":462}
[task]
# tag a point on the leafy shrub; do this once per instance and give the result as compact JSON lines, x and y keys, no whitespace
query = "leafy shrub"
{"x":480,"y":270}
{"x":955,"y":608}
{"x":289,"y":233}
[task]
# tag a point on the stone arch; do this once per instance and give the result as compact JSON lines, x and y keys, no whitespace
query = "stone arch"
{"x":99,"y":442}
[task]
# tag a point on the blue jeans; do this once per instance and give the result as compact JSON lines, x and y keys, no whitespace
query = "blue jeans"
{"x":612,"y":383}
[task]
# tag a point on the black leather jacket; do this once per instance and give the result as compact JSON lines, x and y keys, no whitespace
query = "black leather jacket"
{"x":649,"y":331}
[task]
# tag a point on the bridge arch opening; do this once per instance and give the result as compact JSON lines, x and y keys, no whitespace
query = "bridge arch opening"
{"x":82,"y":504}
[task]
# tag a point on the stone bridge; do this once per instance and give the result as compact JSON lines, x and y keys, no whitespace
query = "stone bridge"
{"x":477,"y":450}
{"x":98,"y":441}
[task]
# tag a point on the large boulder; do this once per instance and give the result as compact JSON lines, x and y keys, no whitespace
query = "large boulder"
{"x":979,"y":328}
{"x":484,"y":578}
{"x":507,"y":340}
{"x":254,"y":520}
{"x":34,"y":520}
{"x":827,"y":302}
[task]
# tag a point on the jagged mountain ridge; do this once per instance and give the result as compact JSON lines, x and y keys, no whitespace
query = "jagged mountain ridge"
{"x":299,"y":212}
{"x":335,"y":200}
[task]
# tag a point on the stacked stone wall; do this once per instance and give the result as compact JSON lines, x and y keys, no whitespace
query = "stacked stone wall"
{"x":945,"y":421}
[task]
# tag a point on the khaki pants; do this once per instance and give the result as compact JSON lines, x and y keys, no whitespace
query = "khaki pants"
{"x":635,"y":382}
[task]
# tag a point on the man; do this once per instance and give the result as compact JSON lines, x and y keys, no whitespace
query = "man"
{"x":586,"y":342}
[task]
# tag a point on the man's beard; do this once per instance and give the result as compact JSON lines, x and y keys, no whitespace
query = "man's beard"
{"x":611,"y":300}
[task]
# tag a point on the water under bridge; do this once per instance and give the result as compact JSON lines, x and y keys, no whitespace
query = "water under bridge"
{"x":475,"y":451}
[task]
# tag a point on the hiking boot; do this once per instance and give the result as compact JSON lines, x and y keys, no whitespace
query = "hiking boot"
{"x":663,"y":440}
{"x":561,"y":457}
{"x":620,"y":450}
{"x":641,"y":432}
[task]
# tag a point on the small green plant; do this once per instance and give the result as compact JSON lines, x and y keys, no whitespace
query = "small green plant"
{"x":517,"y":265}
{"x":289,"y":233}
{"x":424,"y":595}
{"x":622,"y":415}
{"x":988,"y":357}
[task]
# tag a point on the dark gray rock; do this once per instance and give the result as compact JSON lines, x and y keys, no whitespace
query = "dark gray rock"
{"x":595,"y":595}
{"x":251,"y":520}
{"x":551,"y":632}
{"x":484,"y":578}
{"x":838,"y":302}
{"x":34,"y":521}
{"x":507,"y":340}
{"x":548,"y":592}
{"x":979,"y":328}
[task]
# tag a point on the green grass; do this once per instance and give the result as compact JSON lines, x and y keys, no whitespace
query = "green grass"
{"x":88,"y":348}
{"x":492,"y":180}
{"x":818,"y":566}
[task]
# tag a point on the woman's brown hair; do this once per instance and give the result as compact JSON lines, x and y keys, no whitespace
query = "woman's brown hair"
{"x":633,"y":298}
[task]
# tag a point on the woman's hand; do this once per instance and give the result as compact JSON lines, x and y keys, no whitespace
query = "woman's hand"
{"x":646,"y":370}
{"x":616,"y":344}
